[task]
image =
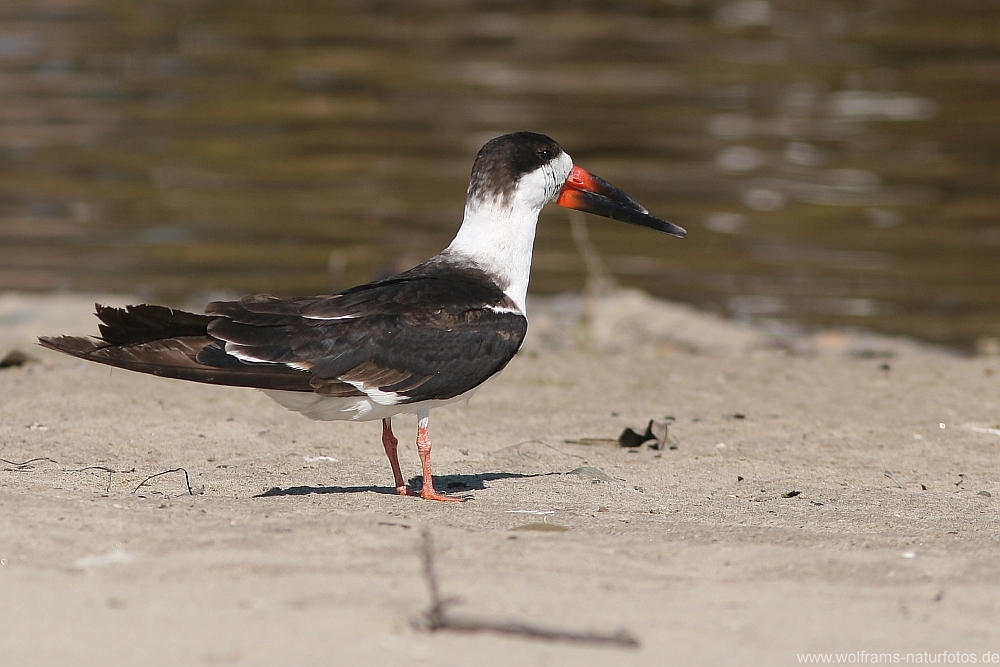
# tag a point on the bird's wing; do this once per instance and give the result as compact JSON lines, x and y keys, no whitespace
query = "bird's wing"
{"x":422,"y":335}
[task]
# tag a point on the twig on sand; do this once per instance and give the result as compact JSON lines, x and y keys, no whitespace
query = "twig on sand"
{"x":437,"y":618}
{"x":888,"y":473}
{"x":187,"y":480}
{"x":27,"y":464}
{"x":105,"y":469}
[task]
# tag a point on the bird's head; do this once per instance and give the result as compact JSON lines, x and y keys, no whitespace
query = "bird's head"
{"x":528,"y":170}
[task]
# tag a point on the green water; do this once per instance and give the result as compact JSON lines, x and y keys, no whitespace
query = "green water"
{"x":835,"y":163}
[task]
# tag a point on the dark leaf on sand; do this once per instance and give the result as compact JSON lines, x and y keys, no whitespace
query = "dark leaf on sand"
{"x":656,"y":431}
{"x":630,"y":438}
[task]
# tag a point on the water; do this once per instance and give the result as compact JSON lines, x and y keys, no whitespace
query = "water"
{"x":835,"y":163}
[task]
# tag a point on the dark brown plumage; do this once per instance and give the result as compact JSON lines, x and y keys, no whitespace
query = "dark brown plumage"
{"x":431,"y":333}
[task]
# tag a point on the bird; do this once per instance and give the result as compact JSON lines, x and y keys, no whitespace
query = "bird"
{"x":407,"y":343}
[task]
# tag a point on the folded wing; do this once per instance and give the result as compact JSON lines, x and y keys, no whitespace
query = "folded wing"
{"x":432,"y":333}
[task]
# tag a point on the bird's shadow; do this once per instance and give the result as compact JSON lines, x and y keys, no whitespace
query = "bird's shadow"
{"x":441,"y":482}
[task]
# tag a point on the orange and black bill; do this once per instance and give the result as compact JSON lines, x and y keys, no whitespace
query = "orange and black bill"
{"x":592,"y":194}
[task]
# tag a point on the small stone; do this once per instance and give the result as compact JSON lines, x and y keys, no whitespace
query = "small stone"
{"x":985,"y":494}
{"x":591,"y":474}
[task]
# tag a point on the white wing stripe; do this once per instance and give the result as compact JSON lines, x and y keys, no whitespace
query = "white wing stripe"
{"x":376,"y":394}
{"x":503,"y":310}
{"x":331,"y":318}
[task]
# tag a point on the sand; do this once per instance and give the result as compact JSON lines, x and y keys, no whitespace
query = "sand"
{"x":828,"y":493}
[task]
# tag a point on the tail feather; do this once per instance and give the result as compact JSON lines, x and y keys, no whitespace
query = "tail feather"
{"x":145,"y":323}
{"x":175,"y":344}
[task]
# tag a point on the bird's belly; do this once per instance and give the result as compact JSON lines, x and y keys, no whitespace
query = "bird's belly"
{"x":353,"y":408}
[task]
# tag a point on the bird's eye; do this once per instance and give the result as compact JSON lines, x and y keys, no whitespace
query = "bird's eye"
{"x":545,"y":154}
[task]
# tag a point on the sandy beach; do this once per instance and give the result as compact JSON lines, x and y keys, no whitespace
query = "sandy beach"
{"x":818,"y":494}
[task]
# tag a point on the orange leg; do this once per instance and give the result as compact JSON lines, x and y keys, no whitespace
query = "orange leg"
{"x":424,"y":450}
{"x":390,"y":443}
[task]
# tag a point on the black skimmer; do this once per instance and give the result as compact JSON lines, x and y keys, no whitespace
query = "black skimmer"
{"x":404,"y":344}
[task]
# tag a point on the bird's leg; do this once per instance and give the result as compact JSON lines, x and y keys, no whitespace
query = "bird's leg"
{"x":390,"y":443}
{"x":424,"y":450}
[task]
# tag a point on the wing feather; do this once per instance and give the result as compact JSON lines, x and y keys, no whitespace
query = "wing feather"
{"x":193,"y":358}
{"x":422,"y":335}
{"x":433,"y":332}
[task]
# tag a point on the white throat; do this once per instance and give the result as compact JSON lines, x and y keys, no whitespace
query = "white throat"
{"x":498,"y":234}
